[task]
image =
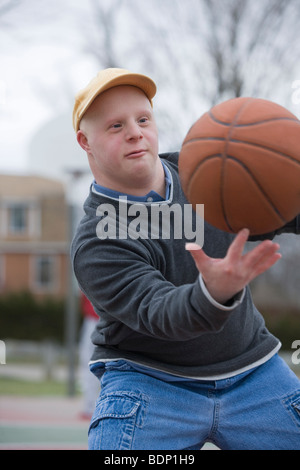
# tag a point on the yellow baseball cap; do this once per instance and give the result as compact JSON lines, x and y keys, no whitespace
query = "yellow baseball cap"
{"x":105,"y":80}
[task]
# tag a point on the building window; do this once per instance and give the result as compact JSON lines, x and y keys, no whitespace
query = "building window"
{"x":18,"y":219}
{"x":45,"y":273}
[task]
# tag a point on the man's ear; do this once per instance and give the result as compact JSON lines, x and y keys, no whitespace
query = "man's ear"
{"x":83,"y":141}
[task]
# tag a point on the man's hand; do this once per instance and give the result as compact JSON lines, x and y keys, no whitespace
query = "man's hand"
{"x":224,"y":278}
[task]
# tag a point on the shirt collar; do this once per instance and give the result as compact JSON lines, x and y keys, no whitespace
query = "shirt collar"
{"x":152,"y":196}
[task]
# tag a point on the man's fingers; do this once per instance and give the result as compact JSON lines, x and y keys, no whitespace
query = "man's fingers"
{"x":192,"y":247}
{"x":236,"y":266}
{"x":261,"y":252}
{"x":262,"y":257}
{"x":267,"y":263}
{"x":235,"y":251}
{"x":197,"y":253}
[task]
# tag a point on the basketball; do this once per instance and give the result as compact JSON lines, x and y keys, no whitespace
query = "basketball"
{"x":242,"y":161}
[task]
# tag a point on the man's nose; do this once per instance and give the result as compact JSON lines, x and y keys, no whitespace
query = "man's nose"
{"x":133,"y":131}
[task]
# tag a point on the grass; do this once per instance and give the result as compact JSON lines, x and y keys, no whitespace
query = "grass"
{"x":15,"y":387}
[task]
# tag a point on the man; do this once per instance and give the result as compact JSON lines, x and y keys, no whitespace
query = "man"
{"x":183,"y":355}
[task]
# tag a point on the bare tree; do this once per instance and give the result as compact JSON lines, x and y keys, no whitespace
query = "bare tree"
{"x":6,"y":6}
{"x":102,"y":37}
{"x":243,"y":37}
{"x":207,"y":51}
{"x":219,"y":49}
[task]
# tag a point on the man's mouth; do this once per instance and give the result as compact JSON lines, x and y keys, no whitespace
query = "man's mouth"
{"x":136,"y":154}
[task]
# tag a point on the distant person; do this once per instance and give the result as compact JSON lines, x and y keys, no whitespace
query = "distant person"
{"x":89,"y":383}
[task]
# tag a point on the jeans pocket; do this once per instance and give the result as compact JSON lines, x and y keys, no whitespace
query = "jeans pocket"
{"x":116,"y":417}
{"x":292,"y":403}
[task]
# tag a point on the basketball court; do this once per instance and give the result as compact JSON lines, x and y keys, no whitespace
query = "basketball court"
{"x":47,"y":423}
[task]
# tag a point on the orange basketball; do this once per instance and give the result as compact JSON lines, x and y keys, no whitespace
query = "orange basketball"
{"x":242,"y":161}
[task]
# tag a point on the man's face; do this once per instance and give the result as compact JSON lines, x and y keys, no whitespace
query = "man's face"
{"x":119,"y":134}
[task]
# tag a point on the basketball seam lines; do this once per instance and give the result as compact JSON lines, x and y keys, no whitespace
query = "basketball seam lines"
{"x":225,"y":156}
{"x":222,"y":139}
{"x":268,"y":199}
{"x":264,"y":121}
{"x":259,"y":186}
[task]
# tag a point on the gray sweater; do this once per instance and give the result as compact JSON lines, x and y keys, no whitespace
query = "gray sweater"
{"x":151,"y":306}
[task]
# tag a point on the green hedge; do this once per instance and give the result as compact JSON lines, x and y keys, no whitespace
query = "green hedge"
{"x":285,"y":325}
{"x":23,"y":317}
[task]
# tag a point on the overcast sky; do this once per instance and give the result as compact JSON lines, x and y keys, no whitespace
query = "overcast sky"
{"x":40,"y":42}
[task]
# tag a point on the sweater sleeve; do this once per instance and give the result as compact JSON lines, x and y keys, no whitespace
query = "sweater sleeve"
{"x":291,"y":227}
{"x":126,"y":289}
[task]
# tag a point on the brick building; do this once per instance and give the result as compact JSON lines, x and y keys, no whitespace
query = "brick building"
{"x":34,"y":244}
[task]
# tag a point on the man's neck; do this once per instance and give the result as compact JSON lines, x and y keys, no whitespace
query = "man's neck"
{"x":156,"y":182}
{"x":151,"y":196}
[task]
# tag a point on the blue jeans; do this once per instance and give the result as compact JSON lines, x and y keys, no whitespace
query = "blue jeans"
{"x":257,"y":410}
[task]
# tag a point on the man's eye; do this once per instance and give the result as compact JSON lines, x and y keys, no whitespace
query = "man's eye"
{"x":116,"y":126}
{"x":143,"y":120}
